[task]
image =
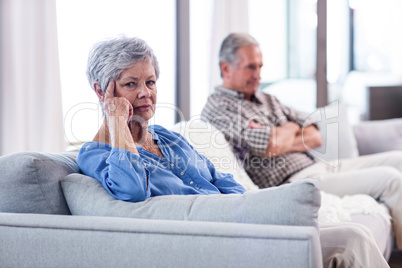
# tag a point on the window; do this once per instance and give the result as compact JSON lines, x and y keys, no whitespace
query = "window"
{"x":302,"y":18}
{"x":338,"y":43}
{"x":201,"y":58}
{"x":268,"y":25}
{"x":287,"y":33}
{"x":83,"y":23}
{"x":377,"y":45}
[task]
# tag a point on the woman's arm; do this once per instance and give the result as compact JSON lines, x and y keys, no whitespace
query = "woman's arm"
{"x":121,"y":173}
{"x":223,"y":181}
{"x":117,"y":111}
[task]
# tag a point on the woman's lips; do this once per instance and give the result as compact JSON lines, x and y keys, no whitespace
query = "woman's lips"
{"x":143,"y":107}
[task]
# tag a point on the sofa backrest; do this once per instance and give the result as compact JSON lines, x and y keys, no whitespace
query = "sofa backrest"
{"x":30,"y":182}
{"x":338,"y":140}
{"x":378,"y":136}
{"x":211,"y":143}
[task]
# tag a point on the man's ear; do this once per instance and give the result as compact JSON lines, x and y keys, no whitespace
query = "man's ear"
{"x":99,"y":91}
{"x":225,"y":69}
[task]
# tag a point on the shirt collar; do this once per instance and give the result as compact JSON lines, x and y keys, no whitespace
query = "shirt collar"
{"x":154,"y":134}
{"x":225,"y":91}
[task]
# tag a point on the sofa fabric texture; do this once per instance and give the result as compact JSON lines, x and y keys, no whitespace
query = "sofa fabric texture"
{"x":30,"y":182}
{"x":291,"y":204}
{"x":30,"y":188}
{"x":378,"y":136}
{"x":338,"y":140}
{"x":80,"y":241}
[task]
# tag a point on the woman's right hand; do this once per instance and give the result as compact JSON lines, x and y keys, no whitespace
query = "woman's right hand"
{"x":117,"y":107}
{"x":118,"y":112}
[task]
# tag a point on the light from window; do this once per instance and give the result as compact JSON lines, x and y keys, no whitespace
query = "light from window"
{"x":377,"y":44}
{"x":200,"y":53}
{"x":268,"y":24}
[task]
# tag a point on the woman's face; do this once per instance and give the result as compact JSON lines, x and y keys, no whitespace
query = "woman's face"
{"x":138,"y":85}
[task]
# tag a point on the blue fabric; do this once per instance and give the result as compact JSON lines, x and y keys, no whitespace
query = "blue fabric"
{"x":129,"y":177}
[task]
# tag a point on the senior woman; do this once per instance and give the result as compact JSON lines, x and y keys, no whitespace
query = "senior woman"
{"x":131,"y":159}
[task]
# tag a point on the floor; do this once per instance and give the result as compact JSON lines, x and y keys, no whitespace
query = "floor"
{"x":395,"y":261}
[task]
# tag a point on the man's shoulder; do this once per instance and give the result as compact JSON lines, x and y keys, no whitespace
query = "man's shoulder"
{"x":264,"y":95}
{"x":218,"y":98}
{"x":218,"y":104}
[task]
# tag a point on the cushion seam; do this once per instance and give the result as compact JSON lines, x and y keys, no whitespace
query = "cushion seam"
{"x":52,"y":209}
{"x":151,"y":232}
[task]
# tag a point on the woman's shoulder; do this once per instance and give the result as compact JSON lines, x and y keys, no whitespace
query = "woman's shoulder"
{"x":91,"y":145}
{"x":93,"y":148}
{"x":90,"y":153}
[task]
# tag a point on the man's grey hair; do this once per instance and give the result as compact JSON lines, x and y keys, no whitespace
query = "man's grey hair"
{"x":109,"y":58}
{"x":230,"y":46}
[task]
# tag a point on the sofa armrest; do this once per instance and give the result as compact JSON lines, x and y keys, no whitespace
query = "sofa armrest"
{"x":74,"y":241}
{"x":378,"y":136}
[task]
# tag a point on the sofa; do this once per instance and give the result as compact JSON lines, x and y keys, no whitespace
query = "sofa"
{"x":340,"y":140}
{"x":51,"y":215}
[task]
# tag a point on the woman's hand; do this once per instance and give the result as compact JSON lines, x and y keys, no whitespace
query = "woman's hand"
{"x":118,"y":107}
{"x":118,"y":112}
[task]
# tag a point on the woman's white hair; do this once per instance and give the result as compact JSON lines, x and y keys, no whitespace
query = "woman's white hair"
{"x":231,"y":44}
{"x":109,"y":58}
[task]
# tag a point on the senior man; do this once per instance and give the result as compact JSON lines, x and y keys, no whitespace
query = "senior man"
{"x":269,"y":138}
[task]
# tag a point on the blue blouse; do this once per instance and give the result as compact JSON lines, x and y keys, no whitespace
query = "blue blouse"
{"x":129,"y":177}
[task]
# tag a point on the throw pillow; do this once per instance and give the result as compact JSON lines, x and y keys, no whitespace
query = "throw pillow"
{"x":291,"y":204}
{"x":211,"y":143}
{"x":338,"y":140}
{"x":379,"y":136}
{"x":30,"y":182}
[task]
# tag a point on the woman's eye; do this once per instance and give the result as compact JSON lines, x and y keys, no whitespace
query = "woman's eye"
{"x":151,"y":83}
{"x":131,"y":84}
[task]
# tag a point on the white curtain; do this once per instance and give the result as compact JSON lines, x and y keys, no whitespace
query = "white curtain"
{"x":31,"y":116}
{"x":229,"y":16}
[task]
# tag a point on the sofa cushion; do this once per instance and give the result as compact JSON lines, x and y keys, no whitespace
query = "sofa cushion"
{"x":211,"y":143}
{"x":30,"y":182}
{"x":378,"y":136}
{"x":291,"y":204}
{"x":338,"y":140}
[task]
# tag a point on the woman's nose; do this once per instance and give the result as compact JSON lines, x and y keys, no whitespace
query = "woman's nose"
{"x":144,"y":91}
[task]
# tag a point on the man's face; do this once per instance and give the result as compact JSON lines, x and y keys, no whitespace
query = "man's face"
{"x":245,"y":77}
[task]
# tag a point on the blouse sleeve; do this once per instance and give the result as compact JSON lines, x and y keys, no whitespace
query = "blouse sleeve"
{"x":225,"y":181}
{"x":122,"y":173}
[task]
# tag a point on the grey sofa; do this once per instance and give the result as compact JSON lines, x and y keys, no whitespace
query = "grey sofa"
{"x":40,"y":191}
{"x":53,"y":216}
{"x":340,"y":140}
